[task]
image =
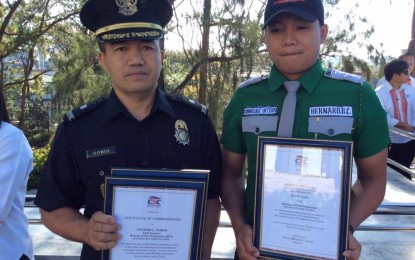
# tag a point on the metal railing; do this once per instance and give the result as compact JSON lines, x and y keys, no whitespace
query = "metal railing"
{"x":396,"y":166}
{"x":386,"y":208}
{"x":389,"y":208}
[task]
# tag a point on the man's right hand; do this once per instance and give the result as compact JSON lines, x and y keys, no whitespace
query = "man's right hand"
{"x":102,"y":231}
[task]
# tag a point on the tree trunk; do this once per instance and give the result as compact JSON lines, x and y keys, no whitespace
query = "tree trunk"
{"x":204,"y":52}
{"x":411,"y":46}
{"x":28,"y":67}
{"x":413,"y":23}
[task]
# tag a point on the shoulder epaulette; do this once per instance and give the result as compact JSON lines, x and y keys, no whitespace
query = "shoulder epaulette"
{"x":252,"y":81}
{"x":82,"y":110}
{"x":193,"y":104}
{"x":340,"y":75}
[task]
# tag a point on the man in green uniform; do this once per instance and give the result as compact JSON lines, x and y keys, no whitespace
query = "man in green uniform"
{"x":331,"y":105}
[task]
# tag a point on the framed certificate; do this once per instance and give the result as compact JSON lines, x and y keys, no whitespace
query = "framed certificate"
{"x":302,"y":198}
{"x":161,"y":213}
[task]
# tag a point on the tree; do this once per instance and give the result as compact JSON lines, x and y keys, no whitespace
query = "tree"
{"x":237,"y":52}
{"x":413,"y":24}
{"x":22,"y":29}
{"x":352,"y":29}
{"x":411,"y":44}
{"x":222,"y":46}
{"x":79,"y":77}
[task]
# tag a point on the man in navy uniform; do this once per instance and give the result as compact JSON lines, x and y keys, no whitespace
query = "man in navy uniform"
{"x":136,"y":126}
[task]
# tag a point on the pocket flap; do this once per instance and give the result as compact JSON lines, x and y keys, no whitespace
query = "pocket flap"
{"x":259,"y":124}
{"x":330,"y":126}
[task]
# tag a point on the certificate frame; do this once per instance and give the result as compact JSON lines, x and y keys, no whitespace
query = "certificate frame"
{"x":302,"y":195}
{"x":187,"y":186}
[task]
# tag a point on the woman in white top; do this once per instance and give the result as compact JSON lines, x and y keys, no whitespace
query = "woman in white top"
{"x":16,"y":162}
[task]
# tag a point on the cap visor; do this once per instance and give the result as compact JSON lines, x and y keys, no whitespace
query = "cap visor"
{"x":295,"y":11}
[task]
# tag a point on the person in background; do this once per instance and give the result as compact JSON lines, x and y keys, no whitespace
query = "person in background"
{"x":137,"y":126}
{"x":398,"y":100}
{"x":293,"y":32}
{"x":16,"y":163}
{"x":408,"y":57}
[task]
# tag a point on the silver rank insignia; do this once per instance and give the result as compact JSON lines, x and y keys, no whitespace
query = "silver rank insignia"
{"x":127,"y":7}
{"x":182,"y":133}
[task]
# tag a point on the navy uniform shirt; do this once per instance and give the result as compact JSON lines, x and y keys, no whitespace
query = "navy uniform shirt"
{"x":105,"y":135}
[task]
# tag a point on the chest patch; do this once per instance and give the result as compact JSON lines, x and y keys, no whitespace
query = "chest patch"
{"x":331,"y":111}
{"x":254,"y":111}
{"x":101,"y":152}
{"x":181,"y":132}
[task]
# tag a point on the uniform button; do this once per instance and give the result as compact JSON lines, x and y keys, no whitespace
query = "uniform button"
{"x":331,"y":131}
{"x":101,"y":173}
{"x":144,"y":163}
{"x":257,"y":130}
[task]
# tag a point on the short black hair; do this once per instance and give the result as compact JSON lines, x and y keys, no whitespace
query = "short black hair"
{"x":4,"y":116}
{"x":101,"y":46}
{"x":395,"y":66}
{"x":406,"y":54}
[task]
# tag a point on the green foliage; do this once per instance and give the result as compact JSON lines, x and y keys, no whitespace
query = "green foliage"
{"x":79,"y":78}
{"x":37,"y":125}
{"x":40,"y":156}
{"x":26,"y":33}
{"x":37,"y":119}
{"x":236,"y":52}
{"x":349,"y":35}
{"x":176,"y":66}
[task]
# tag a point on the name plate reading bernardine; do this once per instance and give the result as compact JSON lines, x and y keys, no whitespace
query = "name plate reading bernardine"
{"x":302,"y":198}
{"x":161,"y":213}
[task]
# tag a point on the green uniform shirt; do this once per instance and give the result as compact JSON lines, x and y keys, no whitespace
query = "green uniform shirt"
{"x":331,"y":105}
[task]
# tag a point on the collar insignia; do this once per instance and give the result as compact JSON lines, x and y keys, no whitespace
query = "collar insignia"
{"x":181,"y":133}
{"x":127,"y":7}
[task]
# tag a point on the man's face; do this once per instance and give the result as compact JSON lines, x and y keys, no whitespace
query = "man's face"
{"x":402,"y":77}
{"x":294,"y":44}
{"x":410,"y":60}
{"x":134,"y":66}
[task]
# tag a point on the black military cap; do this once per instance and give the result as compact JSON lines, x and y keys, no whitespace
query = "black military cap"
{"x":309,"y":10}
{"x":124,"y":20}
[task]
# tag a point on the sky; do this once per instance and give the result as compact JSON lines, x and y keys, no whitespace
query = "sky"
{"x":392,"y":20}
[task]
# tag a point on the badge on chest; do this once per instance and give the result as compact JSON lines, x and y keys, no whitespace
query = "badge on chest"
{"x":181,"y":132}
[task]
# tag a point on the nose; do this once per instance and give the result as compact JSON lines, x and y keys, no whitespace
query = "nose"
{"x":136,"y":57}
{"x":289,"y":37}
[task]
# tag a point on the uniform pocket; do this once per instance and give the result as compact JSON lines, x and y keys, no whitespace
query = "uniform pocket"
{"x":259,"y":124}
{"x":330,"y":126}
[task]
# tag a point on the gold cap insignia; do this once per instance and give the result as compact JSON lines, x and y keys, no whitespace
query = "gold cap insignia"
{"x":127,"y":7}
{"x":181,"y":133}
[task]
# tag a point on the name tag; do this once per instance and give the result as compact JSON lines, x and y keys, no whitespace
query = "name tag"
{"x":252,"y":111}
{"x":101,"y":152}
{"x":331,"y":111}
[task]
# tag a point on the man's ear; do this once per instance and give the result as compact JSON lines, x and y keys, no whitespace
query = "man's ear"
{"x":324,"y":30}
{"x":102,"y":60}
